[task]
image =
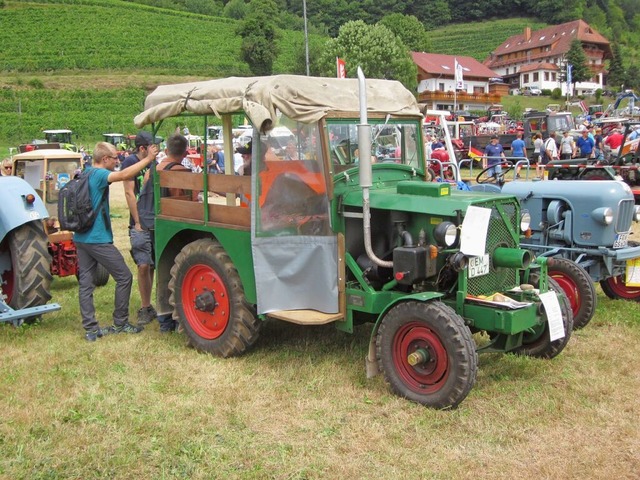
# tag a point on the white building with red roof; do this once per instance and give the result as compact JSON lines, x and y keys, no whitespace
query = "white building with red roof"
{"x":440,"y":89}
{"x":536,"y":59}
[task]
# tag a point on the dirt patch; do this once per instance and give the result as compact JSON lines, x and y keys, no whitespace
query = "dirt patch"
{"x":93,"y":80}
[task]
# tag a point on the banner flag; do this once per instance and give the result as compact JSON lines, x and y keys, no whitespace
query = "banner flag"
{"x":458,"y":75}
{"x":340,"y":68}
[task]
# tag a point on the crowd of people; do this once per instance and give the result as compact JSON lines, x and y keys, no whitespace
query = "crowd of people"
{"x":96,"y":245}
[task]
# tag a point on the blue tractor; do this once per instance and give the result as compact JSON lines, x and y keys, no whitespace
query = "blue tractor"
{"x":24,"y":258}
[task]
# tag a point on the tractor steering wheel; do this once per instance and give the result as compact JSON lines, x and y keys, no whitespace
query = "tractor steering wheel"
{"x":483,"y":176}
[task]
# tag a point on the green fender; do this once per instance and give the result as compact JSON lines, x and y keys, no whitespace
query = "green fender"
{"x":370,"y":361}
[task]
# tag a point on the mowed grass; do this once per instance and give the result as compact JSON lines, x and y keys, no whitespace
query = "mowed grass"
{"x":299,"y":406}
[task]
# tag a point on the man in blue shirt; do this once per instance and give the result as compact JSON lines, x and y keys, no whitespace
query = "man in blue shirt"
{"x":95,"y":246}
{"x":494,"y":154}
{"x":585,"y":143}
{"x":518,"y":151}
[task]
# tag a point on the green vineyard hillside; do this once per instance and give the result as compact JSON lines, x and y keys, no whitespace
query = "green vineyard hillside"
{"x":88,"y":64}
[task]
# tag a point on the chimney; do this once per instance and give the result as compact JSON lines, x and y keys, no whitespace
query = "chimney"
{"x":527,"y":34}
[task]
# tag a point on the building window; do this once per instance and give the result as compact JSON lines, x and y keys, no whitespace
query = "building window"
{"x":525,"y":78}
{"x":535,"y":76}
{"x":441,"y":87}
{"x":546,"y":76}
{"x":478,"y":89}
{"x":507,"y":71}
{"x":553,"y":77}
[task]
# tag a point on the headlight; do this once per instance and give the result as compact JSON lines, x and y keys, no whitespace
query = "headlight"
{"x":603,"y":215}
{"x":525,"y":221}
{"x":445,"y":234}
{"x":636,"y":213}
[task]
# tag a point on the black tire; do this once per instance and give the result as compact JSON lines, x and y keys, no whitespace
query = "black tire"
{"x":446,"y":377}
{"x":616,"y":289}
{"x":209,"y":302}
{"x":537,"y":344}
{"x":27,"y":283}
{"x":431,"y":175}
{"x":100,"y":276}
{"x":579,"y":288}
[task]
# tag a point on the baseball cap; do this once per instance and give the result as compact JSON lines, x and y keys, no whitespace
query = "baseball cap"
{"x":245,"y":149}
{"x":143,"y":139}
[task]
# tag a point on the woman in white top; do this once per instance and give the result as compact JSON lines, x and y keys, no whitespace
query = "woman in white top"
{"x":567,"y":146}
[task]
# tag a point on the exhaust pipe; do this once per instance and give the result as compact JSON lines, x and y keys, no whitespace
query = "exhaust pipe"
{"x":366,"y":173}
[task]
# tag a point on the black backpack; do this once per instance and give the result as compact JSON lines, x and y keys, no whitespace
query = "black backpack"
{"x":75,"y":210}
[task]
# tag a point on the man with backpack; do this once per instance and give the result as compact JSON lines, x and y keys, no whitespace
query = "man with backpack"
{"x":95,"y":245}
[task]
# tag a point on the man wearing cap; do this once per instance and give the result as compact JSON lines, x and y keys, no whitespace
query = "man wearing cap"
{"x":493,"y":155}
{"x":245,"y":151}
{"x":586,"y":145}
{"x":613,"y":141}
{"x":140,"y":243}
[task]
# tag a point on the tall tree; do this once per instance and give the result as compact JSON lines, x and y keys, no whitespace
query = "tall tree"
{"x":578,"y":60}
{"x":258,"y":32}
{"x":375,"y":49}
{"x":408,"y":29}
{"x":617,"y":75}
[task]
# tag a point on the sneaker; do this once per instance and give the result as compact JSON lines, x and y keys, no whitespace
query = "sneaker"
{"x":146,"y":315}
{"x":93,"y":335}
{"x":125,"y":328}
{"x":167,"y":324}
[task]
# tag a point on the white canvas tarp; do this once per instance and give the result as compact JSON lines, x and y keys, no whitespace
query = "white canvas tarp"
{"x":304,"y":99}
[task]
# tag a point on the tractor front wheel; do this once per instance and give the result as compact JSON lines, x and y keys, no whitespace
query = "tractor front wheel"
{"x":26,"y":276}
{"x":208,"y":299}
{"x":616,"y":287}
{"x":579,"y":288}
{"x":427,"y":354}
{"x":538,"y":342}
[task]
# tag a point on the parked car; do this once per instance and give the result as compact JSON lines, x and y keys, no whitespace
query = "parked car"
{"x":531,"y":91}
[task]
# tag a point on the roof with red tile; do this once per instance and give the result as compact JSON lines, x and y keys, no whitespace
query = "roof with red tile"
{"x":439,"y":64}
{"x":550,"y":41}
{"x":538,"y":66}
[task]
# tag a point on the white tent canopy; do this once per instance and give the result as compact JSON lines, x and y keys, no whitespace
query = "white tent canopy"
{"x":304,"y":99}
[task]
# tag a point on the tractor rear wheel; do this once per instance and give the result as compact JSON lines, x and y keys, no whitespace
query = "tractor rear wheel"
{"x":616,"y":288}
{"x":579,"y":288}
{"x":208,"y":299}
{"x":427,"y":354}
{"x":537,"y":343}
{"x":26,"y":276}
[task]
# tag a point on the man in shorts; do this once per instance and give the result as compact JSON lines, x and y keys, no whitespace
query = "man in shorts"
{"x":141,"y":241}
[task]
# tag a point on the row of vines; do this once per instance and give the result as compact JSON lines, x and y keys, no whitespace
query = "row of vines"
{"x":59,"y":37}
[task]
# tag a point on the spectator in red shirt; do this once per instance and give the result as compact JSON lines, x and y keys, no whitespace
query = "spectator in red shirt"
{"x":614,"y":141}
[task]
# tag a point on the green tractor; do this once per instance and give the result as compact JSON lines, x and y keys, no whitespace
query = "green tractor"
{"x":341,"y":227}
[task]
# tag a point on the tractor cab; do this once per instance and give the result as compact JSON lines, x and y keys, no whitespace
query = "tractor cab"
{"x":118,"y":140}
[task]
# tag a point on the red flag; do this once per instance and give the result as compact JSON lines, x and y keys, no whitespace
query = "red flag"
{"x":340,"y":65}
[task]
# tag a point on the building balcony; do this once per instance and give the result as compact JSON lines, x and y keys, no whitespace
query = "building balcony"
{"x":460,"y":97}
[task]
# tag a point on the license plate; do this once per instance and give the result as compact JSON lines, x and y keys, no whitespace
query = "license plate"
{"x":622,"y":240}
{"x":478,"y":266}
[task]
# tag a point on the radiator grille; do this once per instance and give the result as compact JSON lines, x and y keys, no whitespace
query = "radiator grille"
{"x":625,"y":215}
{"x":498,"y":235}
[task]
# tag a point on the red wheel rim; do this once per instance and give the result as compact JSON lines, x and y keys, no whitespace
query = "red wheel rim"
{"x":7,"y":276}
{"x":203,"y":281}
{"x":620,"y":289}
{"x":570,"y":289}
{"x":427,"y":377}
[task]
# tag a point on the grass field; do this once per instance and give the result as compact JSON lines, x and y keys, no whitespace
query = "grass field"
{"x":299,"y":406}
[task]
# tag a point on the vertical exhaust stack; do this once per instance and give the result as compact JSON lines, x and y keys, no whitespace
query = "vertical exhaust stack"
{"x":366,"y":174}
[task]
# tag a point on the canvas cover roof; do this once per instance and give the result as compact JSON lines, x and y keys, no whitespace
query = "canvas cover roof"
{"x":301,"y":98}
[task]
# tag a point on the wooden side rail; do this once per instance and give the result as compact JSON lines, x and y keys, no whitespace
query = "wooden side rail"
{"x":230,"y":214}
